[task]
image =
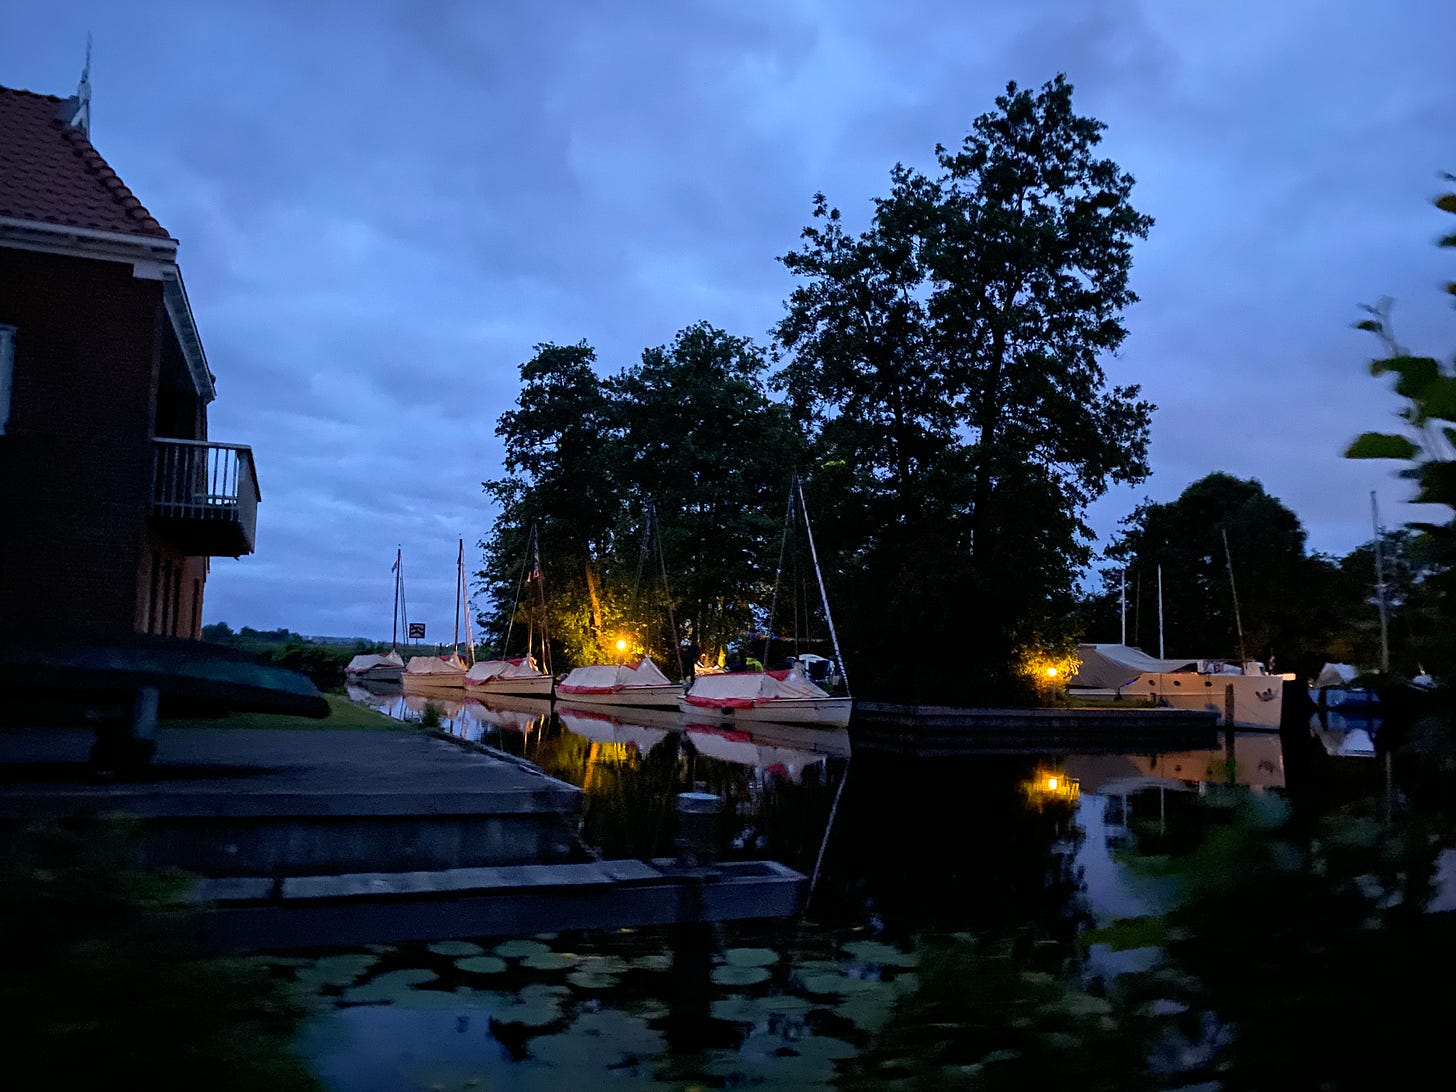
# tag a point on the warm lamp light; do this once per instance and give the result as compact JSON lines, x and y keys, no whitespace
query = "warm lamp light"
{"x":1051,"y":673}
{"x":621,"y":645}
{"x":1051,"y":784}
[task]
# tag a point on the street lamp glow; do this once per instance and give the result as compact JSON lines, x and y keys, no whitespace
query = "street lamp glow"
{"x":621,"y":645}
{"x":1051,"y":673}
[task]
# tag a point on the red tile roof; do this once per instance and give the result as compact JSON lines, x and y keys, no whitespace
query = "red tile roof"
{"x":50,"y":173}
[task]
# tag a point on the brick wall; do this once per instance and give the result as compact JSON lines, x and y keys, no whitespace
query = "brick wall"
{"x":75,"y":465}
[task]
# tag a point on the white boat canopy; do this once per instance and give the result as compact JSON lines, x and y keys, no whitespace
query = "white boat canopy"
{"x":435,"y":665}
{"x":522,"y":667}
{"x":1108,"y":667}
{"x":608,"y":678}
{"x":366,"y":660}
{"x":747,"y":688}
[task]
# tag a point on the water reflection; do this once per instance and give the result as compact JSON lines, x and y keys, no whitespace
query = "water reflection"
{"x":900,"y":849}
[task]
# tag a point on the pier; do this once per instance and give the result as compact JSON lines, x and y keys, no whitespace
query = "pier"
{"x":935,"y":731}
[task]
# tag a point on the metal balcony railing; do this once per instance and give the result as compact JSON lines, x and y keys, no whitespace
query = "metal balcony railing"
{"x":207,"y":494}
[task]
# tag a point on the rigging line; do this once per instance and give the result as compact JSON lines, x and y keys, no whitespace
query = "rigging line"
{"x":671,"y":621}
{"x":824,"y":842}
{"x":540,"y":578}
{"x":823,"y":595}
{"x":516,"y":602}
{"x":778,"y":573}
{"x":1238,"y":622}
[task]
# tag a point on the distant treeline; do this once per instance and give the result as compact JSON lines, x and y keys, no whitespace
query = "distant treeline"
{"x":324,"y":664}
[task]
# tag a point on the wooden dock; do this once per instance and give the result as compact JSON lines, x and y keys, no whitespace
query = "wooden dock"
{"x":931,"y":731}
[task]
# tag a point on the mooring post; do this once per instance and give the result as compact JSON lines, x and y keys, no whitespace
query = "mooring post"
{"x":1228,"y":732}
{"x":693,"y":939}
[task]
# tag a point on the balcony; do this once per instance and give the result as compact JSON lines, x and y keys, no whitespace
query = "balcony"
{"x":205,"y":496}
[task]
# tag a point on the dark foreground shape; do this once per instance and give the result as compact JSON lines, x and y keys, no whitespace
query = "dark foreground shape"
{"x":119,"y":687}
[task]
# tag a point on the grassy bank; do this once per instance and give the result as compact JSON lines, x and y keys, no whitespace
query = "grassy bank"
{"x":343,"y":713}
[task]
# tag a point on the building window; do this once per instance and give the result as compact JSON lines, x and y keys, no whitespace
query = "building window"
{"x":7,"y":373}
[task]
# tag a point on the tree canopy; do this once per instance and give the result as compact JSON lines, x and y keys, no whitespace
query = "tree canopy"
{"x":947,"y":362}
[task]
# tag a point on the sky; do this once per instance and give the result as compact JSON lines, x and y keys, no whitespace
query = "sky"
{"x":382,"y":207}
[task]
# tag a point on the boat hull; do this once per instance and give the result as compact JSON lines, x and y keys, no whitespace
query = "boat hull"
{"x":820,"y":712}
{"x":530,"y":687}
{"x":435,"y":684}
{"x":377,"y":675}
{"x":645,"y":697}
{"x":1258,"y":699}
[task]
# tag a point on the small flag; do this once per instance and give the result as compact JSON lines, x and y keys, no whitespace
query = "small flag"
{"x":536,"y":571}
{"x":395,"y":567}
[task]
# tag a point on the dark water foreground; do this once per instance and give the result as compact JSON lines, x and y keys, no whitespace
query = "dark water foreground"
{"x":950,"y":939}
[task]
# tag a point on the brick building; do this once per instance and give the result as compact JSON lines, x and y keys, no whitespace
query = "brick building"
{"x":112,"y":497}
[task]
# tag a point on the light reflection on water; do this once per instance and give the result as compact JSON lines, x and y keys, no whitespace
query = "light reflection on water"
{"x":916,"y":849}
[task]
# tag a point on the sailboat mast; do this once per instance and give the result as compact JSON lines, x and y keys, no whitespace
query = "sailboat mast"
{"x":1238,"y":622}
{"x":394,"y":621}
{"x":1123,"y":596}
{"x":823,"y":595}
{"x":1160,"y":610}
{"x":459,"y":572}
{"x":1380,"y":587}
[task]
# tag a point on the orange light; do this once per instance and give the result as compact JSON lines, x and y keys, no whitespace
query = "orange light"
{"x":1051,"y":784}
{"x":1051,"y":673}
{"x":621,"y":646}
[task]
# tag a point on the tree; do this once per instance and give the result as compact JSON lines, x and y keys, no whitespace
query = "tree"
{"x":1427,"y":443}
{"x":707,"y":448}
{"x":561,"y":445}
{"x":1282,"y":591}
{"x":948,"y":362}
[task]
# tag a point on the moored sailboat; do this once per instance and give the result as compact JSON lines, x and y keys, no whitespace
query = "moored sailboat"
{"x":520,"y":676}
{"x":445,"y":672}
{"x":786,"y":695}
{"x":372,"y":667}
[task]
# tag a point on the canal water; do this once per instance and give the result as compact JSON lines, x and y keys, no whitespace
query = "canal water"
{"x":899,"y":851}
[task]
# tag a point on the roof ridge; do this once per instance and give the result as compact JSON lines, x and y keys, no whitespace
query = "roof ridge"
{"x":33,"y":94}
{"x":101,"y":170}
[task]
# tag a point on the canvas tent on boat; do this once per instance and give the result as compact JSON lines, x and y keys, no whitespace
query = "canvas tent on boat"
{"x":1112,"y":667}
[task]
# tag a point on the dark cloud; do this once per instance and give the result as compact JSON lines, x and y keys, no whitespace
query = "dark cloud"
{"x":383,"y":207}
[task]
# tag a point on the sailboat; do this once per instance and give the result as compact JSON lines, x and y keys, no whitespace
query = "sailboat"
{"x":445,"y":672}
{"x":371,"y":667}
{"x":520,"y":676}
{"x":638,"y":682}
{"x":789,"y":695}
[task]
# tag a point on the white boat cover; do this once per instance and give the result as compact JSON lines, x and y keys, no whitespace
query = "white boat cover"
{"x":523,"y":667}
{"x":610,"y":678}
{"x":745,"y":689}
{"x":368,"y":660}
{"x":1108,"y":667}
{"x":435,"y":665}
{"x":1335,"y":675}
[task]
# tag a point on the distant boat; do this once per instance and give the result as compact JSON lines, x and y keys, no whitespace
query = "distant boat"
{"x":371,"y":667}
{"x":520,"y":676}
{"x":445,"y":672}
{"x":785,"y":696}
{"x":1112,"y":670}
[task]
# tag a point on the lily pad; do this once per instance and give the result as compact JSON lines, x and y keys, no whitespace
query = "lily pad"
{"x":602,"y":964}
{"x":535,"y":1006}
{"x":336,"y":970}
{"x":514,"y":949}
{"x":456,"y":948}
{"x":739,"y":976}
{"x":548,"y":961}
{"x":758,"y":1010}
{"x":592,"y":980}
{"x":750,"y":957}
{"x":868,"y":1010}
{"x":389,"y":987}
{"x":830,"y":984}
{"x":881,"y":955}
{"x":653,"y":961}
{"x":481,"y":964}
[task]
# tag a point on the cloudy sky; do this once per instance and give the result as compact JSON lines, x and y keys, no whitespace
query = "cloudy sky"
{"x":383,"y":206}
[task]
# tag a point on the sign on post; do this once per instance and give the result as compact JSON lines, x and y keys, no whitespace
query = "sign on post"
{"x":416,"y":631}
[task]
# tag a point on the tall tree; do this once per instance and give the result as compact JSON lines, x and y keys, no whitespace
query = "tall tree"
{"x":712,"y":453}
{"x":561,"y":445}
{"x":948,"y":360}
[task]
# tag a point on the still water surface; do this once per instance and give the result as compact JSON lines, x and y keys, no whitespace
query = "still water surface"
{"x":899,"y":850}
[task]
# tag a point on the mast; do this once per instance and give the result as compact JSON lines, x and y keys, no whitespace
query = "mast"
{"x":1380,"y":587}
{"x":459,"y":581}
{"x":398,"y":576}
{"x":1160,"y":610}
{"x":1238,"y":622}
{"x":1123,"y":596}
{"x":823,"y":595}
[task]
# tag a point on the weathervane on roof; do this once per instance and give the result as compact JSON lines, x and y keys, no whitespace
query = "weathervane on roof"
{"x":78,"y":106}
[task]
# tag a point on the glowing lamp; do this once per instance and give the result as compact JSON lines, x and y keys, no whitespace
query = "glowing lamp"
{"x":1051,"y":673}
{"x":1051,"y":784}
{"x":621,"y":646}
